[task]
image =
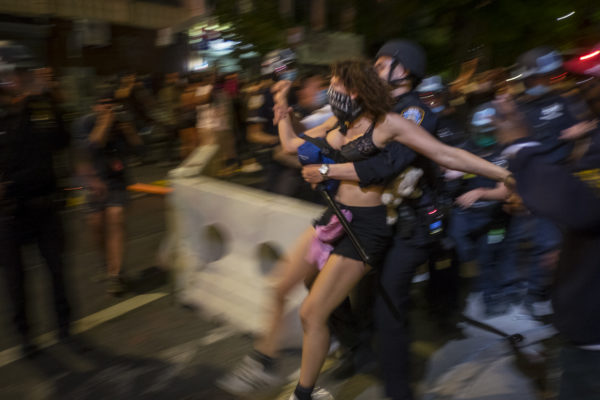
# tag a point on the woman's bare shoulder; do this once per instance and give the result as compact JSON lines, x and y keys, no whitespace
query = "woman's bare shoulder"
{"x":390,"y":127}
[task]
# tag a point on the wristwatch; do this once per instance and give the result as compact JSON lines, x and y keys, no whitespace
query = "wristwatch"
{"x":324,"y":170}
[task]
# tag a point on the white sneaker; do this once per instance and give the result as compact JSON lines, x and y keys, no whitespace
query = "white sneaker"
{"x":317,"y":394}
{"x":248,"y":376}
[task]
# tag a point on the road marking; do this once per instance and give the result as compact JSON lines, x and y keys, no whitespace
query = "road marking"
{"x":217,"y":334}
{"x":91,"y":321}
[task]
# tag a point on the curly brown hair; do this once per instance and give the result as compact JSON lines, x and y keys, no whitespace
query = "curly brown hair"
{"x":358,"y":76}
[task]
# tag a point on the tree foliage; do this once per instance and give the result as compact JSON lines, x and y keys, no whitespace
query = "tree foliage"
{"x":452,"y":31}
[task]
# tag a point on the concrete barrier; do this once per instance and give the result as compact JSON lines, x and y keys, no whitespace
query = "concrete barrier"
{"x":228,"y":238}
{"x":201,"y":161}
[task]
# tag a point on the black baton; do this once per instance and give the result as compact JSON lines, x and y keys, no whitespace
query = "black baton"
{"x":336,"y":209}
{"x":361,"y":251}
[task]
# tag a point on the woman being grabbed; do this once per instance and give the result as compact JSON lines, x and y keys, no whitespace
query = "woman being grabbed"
{"x":361,"y":102}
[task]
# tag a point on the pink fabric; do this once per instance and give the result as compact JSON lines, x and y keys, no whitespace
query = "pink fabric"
{"x":320,"y":247}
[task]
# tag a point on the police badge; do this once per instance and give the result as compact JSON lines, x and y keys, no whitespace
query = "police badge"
{"x":414,"y":114}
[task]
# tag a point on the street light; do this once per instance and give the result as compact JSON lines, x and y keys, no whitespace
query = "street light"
{"x":565,"y":16}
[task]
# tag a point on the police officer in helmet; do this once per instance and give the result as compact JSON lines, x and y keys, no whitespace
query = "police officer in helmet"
{"x":434,"y":93}
{"x":402,"y":64}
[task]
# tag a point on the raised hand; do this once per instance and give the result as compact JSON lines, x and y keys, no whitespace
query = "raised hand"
{"x":280,"y":92}
{"x":280,"y":112}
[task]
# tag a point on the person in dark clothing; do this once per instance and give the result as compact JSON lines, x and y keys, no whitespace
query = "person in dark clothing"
{"x":103,"y":140}
{"x":32,"y":129}
{"x":568,"y":194}
{"x":280,"y":172}
{"x":443,"y":285}
{"x":478,"y":224}
{"x":550,"y":117}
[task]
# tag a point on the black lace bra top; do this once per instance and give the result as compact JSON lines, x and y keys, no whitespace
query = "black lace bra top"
{"x":360,"y":148}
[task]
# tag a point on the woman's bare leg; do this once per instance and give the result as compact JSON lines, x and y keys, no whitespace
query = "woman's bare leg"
{"x":331,"y":287}
{"x":290,"y":271}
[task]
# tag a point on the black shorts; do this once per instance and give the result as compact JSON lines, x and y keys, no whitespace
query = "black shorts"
{"x":369,"y":226}
{"x":113,"y":198}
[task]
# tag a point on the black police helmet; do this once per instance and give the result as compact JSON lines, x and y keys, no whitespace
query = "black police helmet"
{"x":407,"y":53}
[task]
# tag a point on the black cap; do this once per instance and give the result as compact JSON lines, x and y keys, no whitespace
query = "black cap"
{"x":407,"y":53}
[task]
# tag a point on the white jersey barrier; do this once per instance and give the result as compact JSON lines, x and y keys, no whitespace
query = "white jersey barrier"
{"x":228,"y":237}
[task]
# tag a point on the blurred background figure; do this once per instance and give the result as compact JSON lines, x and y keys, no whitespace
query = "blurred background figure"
{"x":281,"y":172}
{"x":169,"y":97}
{"x":434,"y":93}
{"x":232,"y":88}
{"x":550,"y":116}
{"x":103,"y":139}
{"x":478,"y":223}
{"x":197,"y":91}
{"x":567,"y":194}
{"x":32,"y":129}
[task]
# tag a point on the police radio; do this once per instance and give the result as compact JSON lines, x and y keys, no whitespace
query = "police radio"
{"x":435,"y":224}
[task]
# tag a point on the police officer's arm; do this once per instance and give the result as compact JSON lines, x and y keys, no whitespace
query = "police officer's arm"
{"x":376,"y":170}
{"x":499,"y":193}
{"x":396,"y":128}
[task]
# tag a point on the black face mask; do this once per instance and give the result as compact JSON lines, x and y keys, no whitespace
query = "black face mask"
{"x":344,"y":108}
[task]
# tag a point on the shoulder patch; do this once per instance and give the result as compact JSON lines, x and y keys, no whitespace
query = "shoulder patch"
{"x":415,"y":114}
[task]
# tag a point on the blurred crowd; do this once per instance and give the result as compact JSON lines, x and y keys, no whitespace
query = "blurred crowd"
{"x":137,"y":120}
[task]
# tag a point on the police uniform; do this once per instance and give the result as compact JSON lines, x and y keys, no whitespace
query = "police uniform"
{"x":28,"y":207}
{"x":547,"y":115}
{"x":569,"y":195}
{"x":409,"y":247}
{"x":479,"y":233}
{"x":443,"y":284}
